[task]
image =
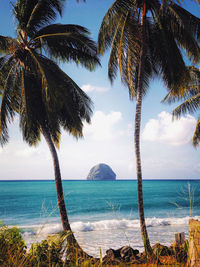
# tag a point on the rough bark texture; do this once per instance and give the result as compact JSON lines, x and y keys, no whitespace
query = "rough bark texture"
{"x":139,"y":96}
{"x":74,"y":250}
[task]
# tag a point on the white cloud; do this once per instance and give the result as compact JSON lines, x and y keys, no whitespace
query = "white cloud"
{"x":102,"y":126}
{"x":163,"y":129}
{"x":91,"y":88}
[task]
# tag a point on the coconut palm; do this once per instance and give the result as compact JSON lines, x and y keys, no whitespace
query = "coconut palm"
{"x":146,"y":38}
{"x":33,"y":86}
{"x":190,"y":94}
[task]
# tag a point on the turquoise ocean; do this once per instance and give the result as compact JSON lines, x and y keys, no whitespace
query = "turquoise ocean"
{"x":102,"y":214}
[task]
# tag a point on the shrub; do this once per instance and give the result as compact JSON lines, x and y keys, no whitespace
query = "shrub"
{"x":47,"y":253}
{"x":12,"y":246}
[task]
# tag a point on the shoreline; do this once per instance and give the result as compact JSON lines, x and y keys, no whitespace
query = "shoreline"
{"x":94,"y":240}
{"x":125,"y":255}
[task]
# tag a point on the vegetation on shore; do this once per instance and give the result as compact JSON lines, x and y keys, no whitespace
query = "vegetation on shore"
{"x":53,"y":252}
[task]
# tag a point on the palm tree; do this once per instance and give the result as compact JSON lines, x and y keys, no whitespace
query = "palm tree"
{"x":34,"y":87}
{"x":190,"y":93}
{"x":146,"y":38}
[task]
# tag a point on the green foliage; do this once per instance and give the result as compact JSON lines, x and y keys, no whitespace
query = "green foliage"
{"x":12,"y":246}
{"x":13,"y":251}
{"x":34,"y":14}
{"x":47,"y":253}
{"x":31,"y":82}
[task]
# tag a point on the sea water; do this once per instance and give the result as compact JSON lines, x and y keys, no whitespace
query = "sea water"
{"x":103,"y":214}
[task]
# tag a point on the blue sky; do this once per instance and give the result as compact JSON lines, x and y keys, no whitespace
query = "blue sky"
{"x":165,"y":145}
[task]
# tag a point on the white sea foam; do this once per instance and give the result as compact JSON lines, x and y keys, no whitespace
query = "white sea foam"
{"x":113,"y":224}
{"x":105,"y":234}
{"x":104,"y":225}
{"x":124,"y":224}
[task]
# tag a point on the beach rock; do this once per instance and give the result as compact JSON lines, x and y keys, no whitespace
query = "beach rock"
{"x":101,"y":172}
{"x":161,"y":250}
{"x":113,"y":253}
{"x":127,"y":252}
{"x":124,"y":254}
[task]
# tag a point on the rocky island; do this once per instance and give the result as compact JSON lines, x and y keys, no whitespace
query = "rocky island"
{"x":101,"y":172}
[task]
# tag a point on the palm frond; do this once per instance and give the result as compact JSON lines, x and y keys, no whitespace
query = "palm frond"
{"x":171,"y":98}
{"x":34,"y":14}
{"x":9,"y":101}
{"x":69,"y":43}
{"x":66,"y":105}
{"x":113,"y":62}
{"x":110,"y":21}
{"x":119,"y":31}
{"x":5,"y":44}
{"x":186,"y":34}
{"x":130,"y":75}
{"x":168,"y":56}
{"x":190,"y":89}
{"x":190,"y":105}
{"x":31,"y":109}
{"x":41,"y":71}
{"x":58,"y":79}
{"x":183,"y":19}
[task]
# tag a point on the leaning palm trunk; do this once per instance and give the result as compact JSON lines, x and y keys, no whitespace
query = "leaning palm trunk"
{"x":143,"y":229}
{"x":74,"y":250}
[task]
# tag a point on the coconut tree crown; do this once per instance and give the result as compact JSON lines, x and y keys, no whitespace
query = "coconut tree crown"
{"x":168,"y":30}
{"x":32,"y":83}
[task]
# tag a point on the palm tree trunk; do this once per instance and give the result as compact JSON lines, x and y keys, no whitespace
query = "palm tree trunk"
{"x":139,"y":97}
{"x":74,"y":250}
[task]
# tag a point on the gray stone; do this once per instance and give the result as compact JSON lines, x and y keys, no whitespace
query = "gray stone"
{"x":101,"y":172}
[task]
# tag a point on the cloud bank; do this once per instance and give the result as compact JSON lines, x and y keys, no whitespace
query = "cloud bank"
{"x":165,"y":130}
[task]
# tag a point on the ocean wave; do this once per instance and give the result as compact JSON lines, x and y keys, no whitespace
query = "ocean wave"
{"x":124,"y":224}
{"x":102,"y":225}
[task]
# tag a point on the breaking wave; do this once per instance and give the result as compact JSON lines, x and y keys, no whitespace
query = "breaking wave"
{"x":108,"y":225}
